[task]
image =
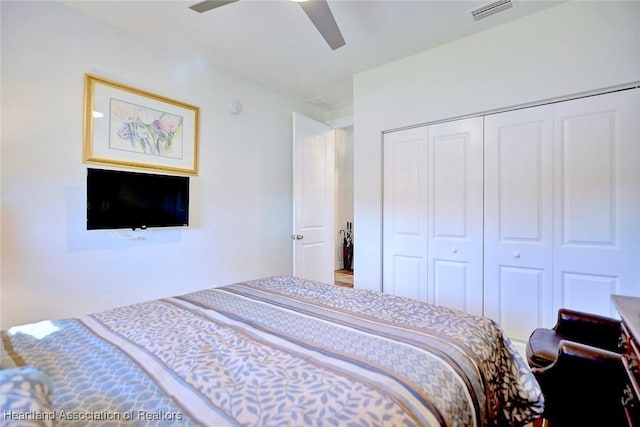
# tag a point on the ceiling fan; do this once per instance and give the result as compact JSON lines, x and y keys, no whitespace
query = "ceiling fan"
{"x":317,"y":10}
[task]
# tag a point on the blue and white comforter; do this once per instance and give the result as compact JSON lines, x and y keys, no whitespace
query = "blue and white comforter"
{"x":279,"y":351}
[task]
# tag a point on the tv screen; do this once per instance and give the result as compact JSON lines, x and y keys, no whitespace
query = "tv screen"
{"x":120,"y":199}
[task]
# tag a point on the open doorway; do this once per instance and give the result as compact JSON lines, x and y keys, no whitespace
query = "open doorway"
{"x":343,"y":207}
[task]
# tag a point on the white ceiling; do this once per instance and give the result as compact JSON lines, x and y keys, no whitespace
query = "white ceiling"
{"x":274,"y":44}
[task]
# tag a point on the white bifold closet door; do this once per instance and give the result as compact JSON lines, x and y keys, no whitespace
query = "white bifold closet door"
{"x":562,"y":210}
{"x":432,"y":222}
{"x":404,"y":263}
{"x":596,"y":250}
{"x":518,"y":191}
{"x":455,"y":217}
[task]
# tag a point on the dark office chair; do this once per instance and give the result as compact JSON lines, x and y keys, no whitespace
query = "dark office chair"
{"x":583,"y":387}
{"x":585,"y":328}
{"x":580,"y":370}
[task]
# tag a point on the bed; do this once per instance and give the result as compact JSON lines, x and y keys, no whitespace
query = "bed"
{"x":269,"y":352}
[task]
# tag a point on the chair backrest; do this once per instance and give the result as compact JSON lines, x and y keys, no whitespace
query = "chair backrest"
{"x":583,"y":387}
{"x":588,"y":328}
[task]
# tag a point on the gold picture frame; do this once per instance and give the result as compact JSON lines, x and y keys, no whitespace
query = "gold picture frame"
{"x":125,"y":126}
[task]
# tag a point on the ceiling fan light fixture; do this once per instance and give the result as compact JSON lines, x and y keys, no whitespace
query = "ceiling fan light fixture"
{"x":206,"y":5}
{"x":322,"y":18}
{"x":318,"y":12}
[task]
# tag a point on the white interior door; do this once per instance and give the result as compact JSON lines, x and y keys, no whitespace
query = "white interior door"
{"x":455,"y":214}
{"x":313,"y":199}
{"x":518,"y":191}
{"x":404,"y":264}
{"x":597,"y":201}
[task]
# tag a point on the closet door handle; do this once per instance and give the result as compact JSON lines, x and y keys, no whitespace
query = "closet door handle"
{"x":516,"y":254}
{"x":454,"y":250}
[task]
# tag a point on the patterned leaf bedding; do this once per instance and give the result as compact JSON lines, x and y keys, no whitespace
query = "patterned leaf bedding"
{"x":277,"y":351}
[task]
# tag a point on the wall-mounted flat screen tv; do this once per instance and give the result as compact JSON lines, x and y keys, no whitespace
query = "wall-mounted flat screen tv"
{"x":122,"y":199}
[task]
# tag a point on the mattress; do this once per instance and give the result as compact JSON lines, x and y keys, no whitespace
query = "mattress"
{"x":271,"y":352}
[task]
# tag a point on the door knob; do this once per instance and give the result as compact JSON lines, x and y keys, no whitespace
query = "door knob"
{"x":516,"y":254}
{"x":297,"y":237}
{"x":454,"y":250}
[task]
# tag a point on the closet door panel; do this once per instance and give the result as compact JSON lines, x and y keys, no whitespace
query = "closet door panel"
{"x":588,"y":292}
{"x":449,"y":176}
{"x":455,"y":214}
{"x":597,"y":201}
{"x":518,"y":230}
{"x":404,"y":213}
{"x":522,"y":300}
{"x":452,"y":284}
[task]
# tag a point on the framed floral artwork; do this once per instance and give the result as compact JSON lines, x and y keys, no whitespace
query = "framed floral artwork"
{"x":124,"y":126}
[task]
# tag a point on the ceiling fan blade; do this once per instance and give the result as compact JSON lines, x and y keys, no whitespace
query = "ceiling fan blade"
{"x":204,"y":6}
{"x":320,"y":14}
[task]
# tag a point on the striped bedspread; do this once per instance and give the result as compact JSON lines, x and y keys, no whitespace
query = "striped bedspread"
{"x":279,"y":351}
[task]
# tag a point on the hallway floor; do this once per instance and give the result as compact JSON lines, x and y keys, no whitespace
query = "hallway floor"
{"x":344,"y":278}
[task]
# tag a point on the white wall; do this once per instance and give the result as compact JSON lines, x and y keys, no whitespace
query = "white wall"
{"x":571,"y":48}
{"x":241,"y":206}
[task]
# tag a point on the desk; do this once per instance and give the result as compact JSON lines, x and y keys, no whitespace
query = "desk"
{"x":629,"y":310}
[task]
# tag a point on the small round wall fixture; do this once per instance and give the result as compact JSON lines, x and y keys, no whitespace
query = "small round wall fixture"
{"x":234,"y":107}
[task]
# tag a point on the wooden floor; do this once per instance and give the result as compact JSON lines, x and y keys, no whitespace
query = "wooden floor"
{"x":344,"y":278}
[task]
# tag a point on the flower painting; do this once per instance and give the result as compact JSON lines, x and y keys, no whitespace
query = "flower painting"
{"x":145,"y":130}
{"x":129,"y":127}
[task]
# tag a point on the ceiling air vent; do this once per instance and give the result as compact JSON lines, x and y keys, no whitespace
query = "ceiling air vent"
{"x":491,"y":8}
{"x":318,"y":101}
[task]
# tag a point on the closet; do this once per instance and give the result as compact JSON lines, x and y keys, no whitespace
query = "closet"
{"x":515,"y":214}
